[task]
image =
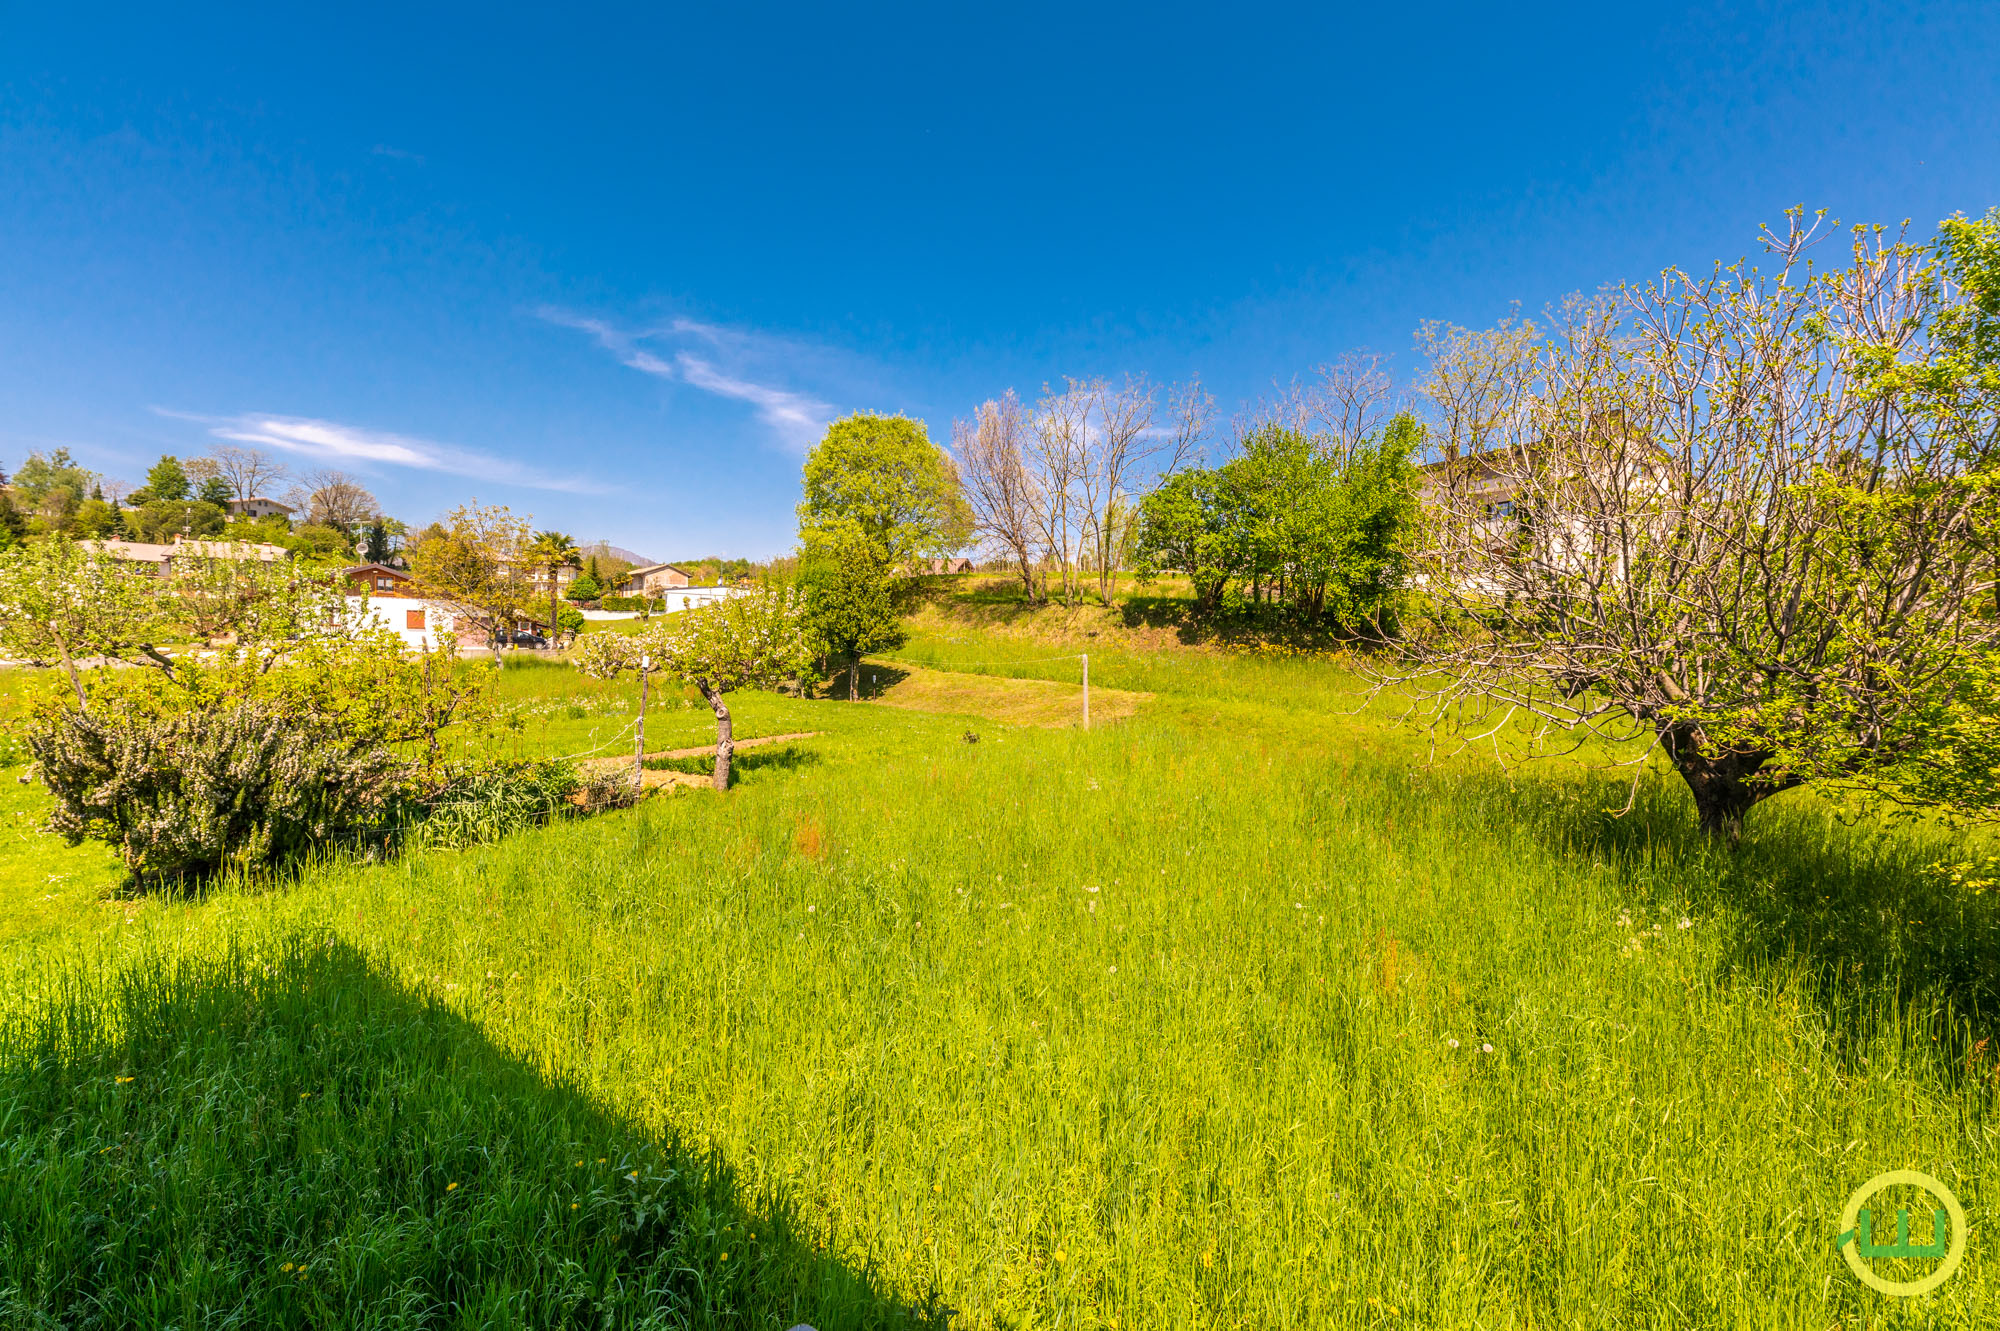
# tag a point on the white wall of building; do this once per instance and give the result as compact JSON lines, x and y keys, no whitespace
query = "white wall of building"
{"x":395,"y":612}
{"x":694,"y":598}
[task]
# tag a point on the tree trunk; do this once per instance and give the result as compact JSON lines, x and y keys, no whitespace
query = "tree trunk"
{"x":854,"y":681}
{"x":552,"y":607}
{"x":1725,"y":786}
{"x":75,"y":680}
{"x":725,"y":735}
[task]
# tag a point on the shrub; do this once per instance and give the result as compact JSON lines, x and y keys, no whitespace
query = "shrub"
{"x":630,"y":604}
{"x":189,"y":794}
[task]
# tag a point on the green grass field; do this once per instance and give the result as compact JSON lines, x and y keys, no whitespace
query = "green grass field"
{"x":1231,"y":1013}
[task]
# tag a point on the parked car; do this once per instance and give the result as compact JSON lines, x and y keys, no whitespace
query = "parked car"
{"x":535,"y":640}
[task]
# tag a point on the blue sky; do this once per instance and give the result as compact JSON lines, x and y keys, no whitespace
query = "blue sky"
{"x":614,"y":267}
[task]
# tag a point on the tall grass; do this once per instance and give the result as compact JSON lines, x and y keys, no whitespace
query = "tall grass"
{"x":1175,"y":1023}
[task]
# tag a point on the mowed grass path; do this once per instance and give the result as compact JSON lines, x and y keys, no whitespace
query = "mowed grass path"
{"x":1229,"y":1014}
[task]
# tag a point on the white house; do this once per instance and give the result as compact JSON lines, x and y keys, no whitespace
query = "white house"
{"x":694,"y":598}
{"x":653,"y":580}
{"x":257,"y":506}
{"x":381,"y":594}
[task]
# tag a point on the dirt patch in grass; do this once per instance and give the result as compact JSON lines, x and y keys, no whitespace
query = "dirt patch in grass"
{"x":1014,"y":702}
{"x":697,"y":751}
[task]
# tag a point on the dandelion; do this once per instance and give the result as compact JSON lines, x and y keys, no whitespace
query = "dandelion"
{"x":811,"y":909}
{"x":600,"y":1159}
{"x":579,"y":1164}
{"x":1061,"y":1256}
{"x":286,"y":1267}
{"x":122,"y":1080}
{"x":451,"y":1187}
{"x":305,"y":1095}
{"x":572,"y":1206}
{"x":1486,"y":1049}
{"x":633,"y":1174}
{"x":725,"y":1257}
{"x":1114,"y":970}
{"x":1452,"y":1043}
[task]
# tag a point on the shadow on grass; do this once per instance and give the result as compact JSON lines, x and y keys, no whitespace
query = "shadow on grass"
{"x":1236,"y":623}
{"x":1861,"y":905}
{"x":778,"y":758}
{"x":292,"y":1139}
{"x":877,"y":678}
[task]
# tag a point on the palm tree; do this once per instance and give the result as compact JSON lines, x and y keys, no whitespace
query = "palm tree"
{"x":549,"y":551}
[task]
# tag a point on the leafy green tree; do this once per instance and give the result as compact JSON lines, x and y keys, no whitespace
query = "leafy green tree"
{"x":882,"y":479}
{"x":743,"y":642}
{"x":1186,"y":525}
{"x":548,"y":553}
{"x":585,"y":588}
{"x":167,"y":481}
{"x":273,"y":530}
{"x":215,"y":491}
{"x":849,"y":602}
{"x":318,"y":540}
{"x":162,"y":519}
{"x":12,"y":525}
{"x":570,"y":620}
{"x":52,"y":487}
{"x":1325,"y":531}
{"x":382,"y":540}
{"x":95,"y":518}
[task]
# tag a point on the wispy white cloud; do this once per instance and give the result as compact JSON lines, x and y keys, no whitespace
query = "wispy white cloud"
{"x":331,"y":442}
{"x":796,"y":418}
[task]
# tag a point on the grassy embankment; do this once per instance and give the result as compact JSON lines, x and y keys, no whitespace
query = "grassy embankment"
{"x":1229,"y":1013}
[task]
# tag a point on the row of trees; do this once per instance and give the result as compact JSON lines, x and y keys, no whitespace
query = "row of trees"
{"x":1053,"y":487}
{"x":1298,"y":520}
{"x":335,"y":514}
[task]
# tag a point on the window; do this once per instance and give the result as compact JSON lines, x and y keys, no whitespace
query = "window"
{"x":413,"y":619}
{"x":385,"y":584}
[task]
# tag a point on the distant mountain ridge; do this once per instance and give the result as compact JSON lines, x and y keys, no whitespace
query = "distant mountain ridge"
{"x":606,"y":550}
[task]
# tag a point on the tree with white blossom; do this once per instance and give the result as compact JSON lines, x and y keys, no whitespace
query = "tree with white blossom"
{"x":744,"y":642}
